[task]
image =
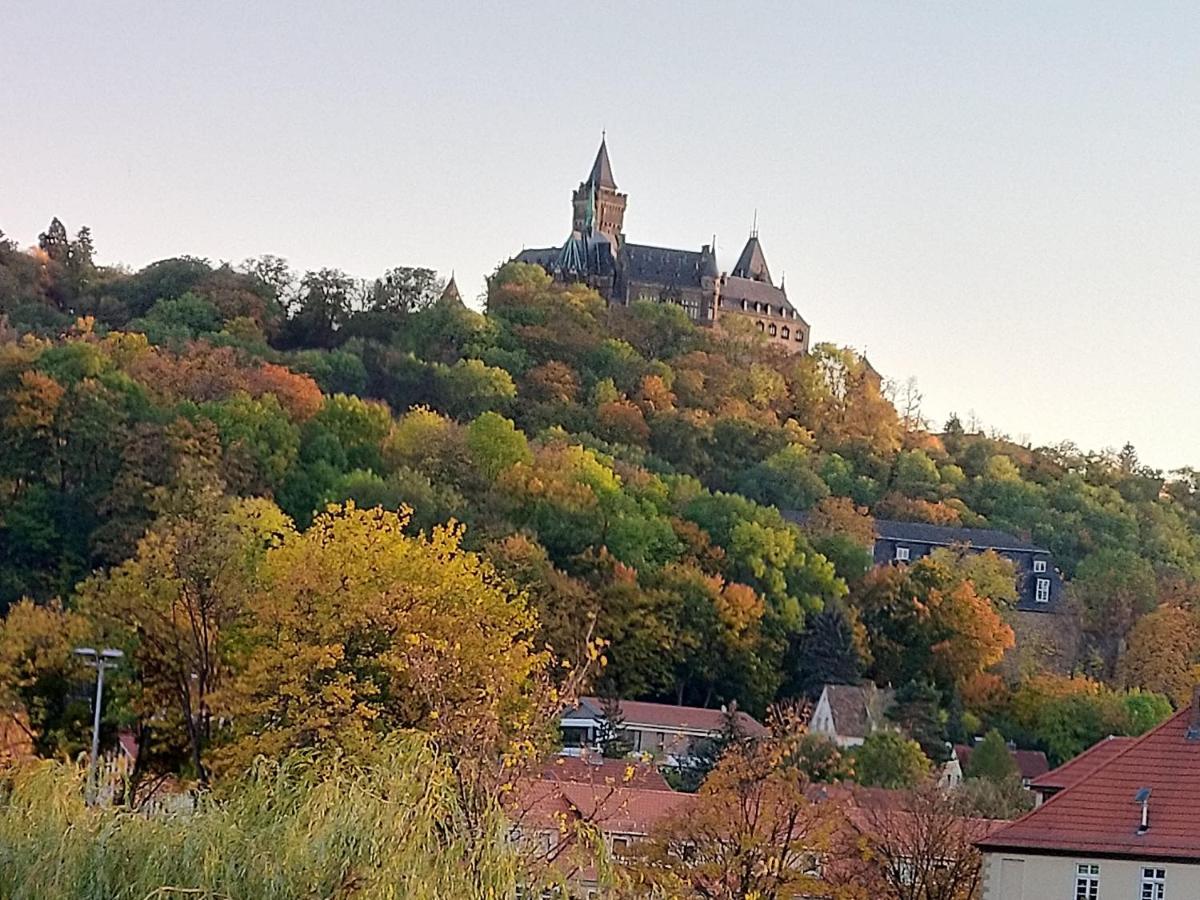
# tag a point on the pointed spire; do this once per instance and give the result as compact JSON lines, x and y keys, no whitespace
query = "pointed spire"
{"x":450,"y":292}
{"x":601,"y":175}
{"x":753,"y":262}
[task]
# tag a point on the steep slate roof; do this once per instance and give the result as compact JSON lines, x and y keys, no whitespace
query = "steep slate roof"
{"x":1030,"y":763}
{"x":1098,"y":815}
{"x":668,"y":717}
{"x":450,"y":292}
{"x":1075,"y":770}
{"x":539,"y":256}
{"x":663,"y":265}
{"x":738,"y":289}
{"x":601,"y":174}
{"x":922,"y":533}
{"x":857,"y":709}
{"x":752,"y":263}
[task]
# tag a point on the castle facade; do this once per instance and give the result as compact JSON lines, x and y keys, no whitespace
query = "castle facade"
{"x":597,"y":254}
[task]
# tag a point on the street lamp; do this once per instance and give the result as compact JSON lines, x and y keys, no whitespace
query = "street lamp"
{"x":98,"y":660}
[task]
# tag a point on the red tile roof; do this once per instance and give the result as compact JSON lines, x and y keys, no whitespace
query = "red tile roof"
{"x":667,"y":716}
{"x":1030,"y":763}
{"x":595,"y":769}
{"x":1075,"y":770}
{"x":541,"y":803}
{"x":1099,"y":816}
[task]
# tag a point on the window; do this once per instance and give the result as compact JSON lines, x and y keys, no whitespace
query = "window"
{"x":771,"y":330}
{"x":761,"y":326}
{"x":1154,"y":884}
{"x":1039,"y":565}
{"x":785,"y":332}
{"x":1087,"y":881}
{"x":1042,"y":592}
{"x":901,"y":554}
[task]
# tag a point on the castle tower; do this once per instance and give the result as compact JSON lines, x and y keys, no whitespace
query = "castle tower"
{"x":598,"y":206}
{"x":752,"y":263}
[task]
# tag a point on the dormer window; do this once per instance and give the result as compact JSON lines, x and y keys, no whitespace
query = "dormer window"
{"x":1039,"y":565}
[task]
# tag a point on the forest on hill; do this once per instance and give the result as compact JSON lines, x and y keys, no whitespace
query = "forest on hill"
{"x":622,"y":469}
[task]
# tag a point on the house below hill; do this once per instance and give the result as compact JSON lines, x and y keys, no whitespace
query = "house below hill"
{"x":1123,"y":825}
{"x":668,"y":734}
{"x":847,"y":713}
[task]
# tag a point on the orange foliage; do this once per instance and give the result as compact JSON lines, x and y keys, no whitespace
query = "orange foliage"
{"x":897,"y":506}
{"x":622,"y":421}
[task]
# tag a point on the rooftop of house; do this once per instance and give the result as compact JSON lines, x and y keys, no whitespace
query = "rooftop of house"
{"x":1100,"y":814}
{"x":920,"y":532}
{"x":545,"y":803}
{"x":1080,"y":767}
{"x":593,"y":768}
{"x":1030,"y":763}
{"x":857,"y":708}
{"x":664,"y":716}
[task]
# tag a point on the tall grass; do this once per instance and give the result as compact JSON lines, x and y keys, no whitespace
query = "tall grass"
{"x":310,"y":827}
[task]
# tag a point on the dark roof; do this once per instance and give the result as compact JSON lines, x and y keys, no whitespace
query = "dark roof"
{"x":1030,"y":763}
{"x":1099,"y":815}
{"x":601,"y":174}
{"x":752,"y":263}
{"x":735,"y":289}
{"x":922,"y":533}
{"x":450,"y":292}
{"x":858,"y":709}
{"x":663,"y":265}
{"x":539,"y":256}
{"x":1080,"y":767}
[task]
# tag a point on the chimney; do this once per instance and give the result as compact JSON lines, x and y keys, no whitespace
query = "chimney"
{"x":1193,"y":729}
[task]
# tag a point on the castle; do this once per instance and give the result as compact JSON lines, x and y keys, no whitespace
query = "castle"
{"x":597,"y":254}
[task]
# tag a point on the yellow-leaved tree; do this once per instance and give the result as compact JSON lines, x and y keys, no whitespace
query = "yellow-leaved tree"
{"x":357,"y":629}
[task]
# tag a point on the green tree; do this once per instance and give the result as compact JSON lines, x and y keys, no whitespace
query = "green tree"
{"x":888,"y":759}
{"x":991,"y":759}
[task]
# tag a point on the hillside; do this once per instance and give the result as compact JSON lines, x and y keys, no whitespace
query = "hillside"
{"x":622,"y":467}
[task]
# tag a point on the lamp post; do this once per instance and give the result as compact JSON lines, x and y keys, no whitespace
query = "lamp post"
{"x":98,"y":660}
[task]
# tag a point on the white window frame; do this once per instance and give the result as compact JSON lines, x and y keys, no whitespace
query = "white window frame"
{"x":903,"y":554}
{"x":1042,"y":591}
{"x":1039,"y":565}
{"x":1154,"y":883}
{"x":1087,"y":881}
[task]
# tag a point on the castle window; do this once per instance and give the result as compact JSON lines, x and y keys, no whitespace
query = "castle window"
{"x":761,"y":326}
{"x":771,"y":330}
{"x":800,"y":336}
{"x":743,"y":304}
{"x":785,"y":332}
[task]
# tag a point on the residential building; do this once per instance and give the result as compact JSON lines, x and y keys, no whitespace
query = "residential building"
{"x":668,"y":734}
{"x":1030,"y":764}
{"x":1039,"y":584}
{"x":847,"y":713}
{"x":1128,"y":828}
{"x":596,"y":253}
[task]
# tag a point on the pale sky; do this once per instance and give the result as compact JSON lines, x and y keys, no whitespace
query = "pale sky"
{"x":1001,"y":199}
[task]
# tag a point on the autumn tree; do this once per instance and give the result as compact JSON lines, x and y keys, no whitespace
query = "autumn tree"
{"x":1163,"y":652}
{"x":175,"y":605}
{"x":753,"y":833}
{"x":357,"y":629}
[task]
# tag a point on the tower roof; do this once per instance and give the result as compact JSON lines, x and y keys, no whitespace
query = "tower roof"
{"x":601,"y":175}
{"x":752,"y":263}
{"x":450,"y":292}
